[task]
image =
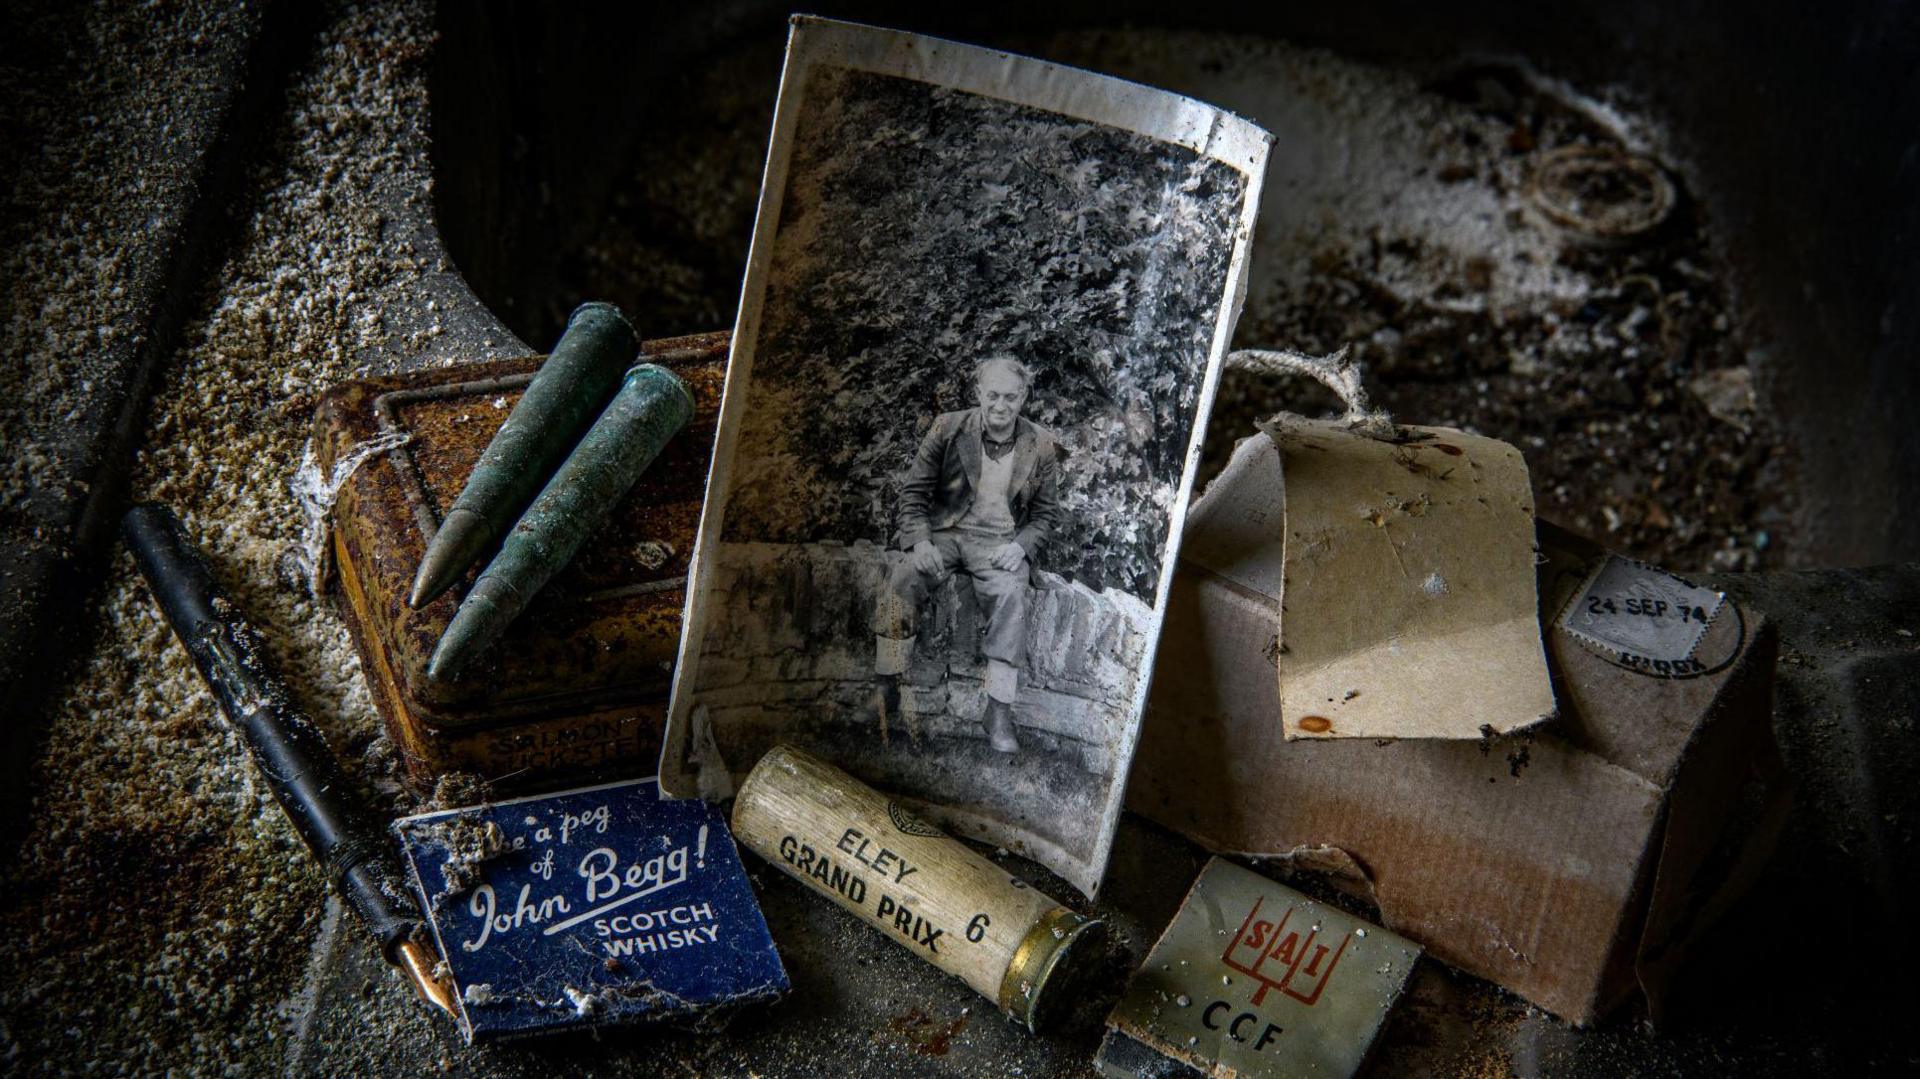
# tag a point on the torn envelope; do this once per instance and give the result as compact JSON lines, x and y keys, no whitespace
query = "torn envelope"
{"x":1406,"y":580}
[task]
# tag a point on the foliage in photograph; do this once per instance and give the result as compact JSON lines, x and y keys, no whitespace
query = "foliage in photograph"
{"x":926,"y":228}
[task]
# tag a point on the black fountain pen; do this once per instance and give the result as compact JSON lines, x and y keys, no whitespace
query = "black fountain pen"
{"x":341,"y":830}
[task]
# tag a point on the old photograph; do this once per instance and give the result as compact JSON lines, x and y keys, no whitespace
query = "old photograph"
{"x":982,"y":324}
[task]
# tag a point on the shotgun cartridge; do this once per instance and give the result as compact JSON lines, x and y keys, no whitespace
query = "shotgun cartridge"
{"x":928,"y":891}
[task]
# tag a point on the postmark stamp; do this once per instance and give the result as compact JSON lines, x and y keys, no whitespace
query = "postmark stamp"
{"x":1646,"y":618}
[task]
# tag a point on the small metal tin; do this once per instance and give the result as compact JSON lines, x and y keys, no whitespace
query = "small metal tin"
{"x":580,"y":686}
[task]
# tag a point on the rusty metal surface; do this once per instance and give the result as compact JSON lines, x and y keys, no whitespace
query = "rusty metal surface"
{"x":600,"y":641}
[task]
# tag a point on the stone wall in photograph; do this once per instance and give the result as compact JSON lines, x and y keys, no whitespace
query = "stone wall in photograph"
{"x":790,"y":632}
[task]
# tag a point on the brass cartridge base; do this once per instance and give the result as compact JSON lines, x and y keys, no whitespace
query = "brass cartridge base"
{"x":1047,"y":971}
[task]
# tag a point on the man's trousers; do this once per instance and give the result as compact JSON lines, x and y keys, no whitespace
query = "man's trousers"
{"x":1003,"y":600}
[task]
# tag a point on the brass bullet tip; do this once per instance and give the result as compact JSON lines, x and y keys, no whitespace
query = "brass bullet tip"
{"x":484,"y":614}
{"x":418,"y":964}
{"x":455,"y":544}
{"x":446,"y":662}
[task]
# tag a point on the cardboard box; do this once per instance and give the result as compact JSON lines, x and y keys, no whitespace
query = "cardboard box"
{"x":578,"y":685}
{"x":1570,"y":862}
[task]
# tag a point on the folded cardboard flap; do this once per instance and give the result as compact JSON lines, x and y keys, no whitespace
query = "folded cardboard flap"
{"x":1565,"y":862}
{"x":1405,"y":577}
{"x":1233,"y":524}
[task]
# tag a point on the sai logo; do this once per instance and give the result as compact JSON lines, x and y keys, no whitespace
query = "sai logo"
{"x":1283,"y":954}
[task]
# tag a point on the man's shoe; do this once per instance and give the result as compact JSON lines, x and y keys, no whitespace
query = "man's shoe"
{"x":882,"y":704}
{"x":999,"y":723}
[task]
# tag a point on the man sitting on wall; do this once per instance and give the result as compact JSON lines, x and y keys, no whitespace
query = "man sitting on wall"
{"x":981,"y":497}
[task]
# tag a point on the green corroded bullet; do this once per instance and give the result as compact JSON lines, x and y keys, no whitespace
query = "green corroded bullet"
{"x":558,"y":404}
{"x":651,"y":407}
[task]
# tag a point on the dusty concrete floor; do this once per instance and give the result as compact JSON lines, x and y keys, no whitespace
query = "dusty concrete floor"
{"x":160,"y":910}
{"x":160,"y":917}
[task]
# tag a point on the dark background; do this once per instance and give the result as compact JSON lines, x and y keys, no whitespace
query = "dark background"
{"x":1796,"y":119}
{"x":1796,"y":122}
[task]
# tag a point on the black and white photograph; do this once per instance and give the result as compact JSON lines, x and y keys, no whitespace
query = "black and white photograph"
{"x":983,"y":321}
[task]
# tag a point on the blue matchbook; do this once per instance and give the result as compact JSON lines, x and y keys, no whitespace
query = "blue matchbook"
{"x":590,"y":907}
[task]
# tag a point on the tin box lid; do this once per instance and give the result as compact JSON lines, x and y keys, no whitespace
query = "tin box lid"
{"x":603,"y":634}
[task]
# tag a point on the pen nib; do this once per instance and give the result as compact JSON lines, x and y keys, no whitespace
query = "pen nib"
{"x":419,"y":964}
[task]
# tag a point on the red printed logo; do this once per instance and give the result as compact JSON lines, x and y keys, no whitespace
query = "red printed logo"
{"x":1284,"y":955}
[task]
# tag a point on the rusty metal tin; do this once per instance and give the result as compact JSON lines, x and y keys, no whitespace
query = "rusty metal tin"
{"x":580,"y":684}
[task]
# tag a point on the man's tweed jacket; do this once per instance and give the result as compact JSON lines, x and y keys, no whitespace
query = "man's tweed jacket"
{"x":939,"y":488}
